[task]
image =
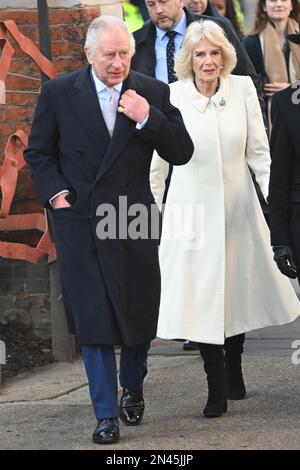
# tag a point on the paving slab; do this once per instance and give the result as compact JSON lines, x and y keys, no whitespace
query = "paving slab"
{"x":49,"y":408}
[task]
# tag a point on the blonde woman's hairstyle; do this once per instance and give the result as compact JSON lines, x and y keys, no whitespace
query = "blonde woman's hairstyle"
{"x":204,"y":29}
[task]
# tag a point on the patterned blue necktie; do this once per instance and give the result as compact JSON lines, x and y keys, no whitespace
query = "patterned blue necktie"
{"x":170,"y":56}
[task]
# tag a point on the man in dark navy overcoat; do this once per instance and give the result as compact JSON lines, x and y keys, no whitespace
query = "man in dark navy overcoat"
{"x":89,"y":153}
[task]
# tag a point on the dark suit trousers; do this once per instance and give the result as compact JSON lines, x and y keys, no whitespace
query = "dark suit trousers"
{"x":101,"y":369}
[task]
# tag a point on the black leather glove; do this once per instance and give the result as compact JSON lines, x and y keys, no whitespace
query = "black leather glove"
{"x":284,"y":258}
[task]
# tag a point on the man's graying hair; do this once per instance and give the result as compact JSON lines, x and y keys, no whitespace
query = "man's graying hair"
{"x":102,"y":23}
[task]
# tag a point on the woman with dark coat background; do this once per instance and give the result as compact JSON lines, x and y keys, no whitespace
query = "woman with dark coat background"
{"x":276,"y":61}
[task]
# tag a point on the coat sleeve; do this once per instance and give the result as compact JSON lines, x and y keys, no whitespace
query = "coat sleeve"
{"x":159,"y":171}
{"x":282,"y":153}
{"x":165,"y":130}
{"x":42,"y":152}
{"x":257,"y":148}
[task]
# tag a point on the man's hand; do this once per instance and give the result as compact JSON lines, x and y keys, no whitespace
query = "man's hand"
{"x":134,"y":106}
{"x":284,"y":258}
{"x":271,"y":88}
{"x":59,"y":201}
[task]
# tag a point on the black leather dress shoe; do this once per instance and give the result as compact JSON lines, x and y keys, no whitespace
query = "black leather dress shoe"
{"x":107,"y":431}
{"x":131,"y":407}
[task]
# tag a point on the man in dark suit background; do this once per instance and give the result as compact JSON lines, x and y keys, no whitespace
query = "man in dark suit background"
{"x":171,"y":16}
{"x":284,"y":193}
{"x":90,"y":165}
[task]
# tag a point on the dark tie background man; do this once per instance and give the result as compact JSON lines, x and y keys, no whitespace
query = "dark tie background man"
{"x":83,"y":156}
{"x":170,"y":53}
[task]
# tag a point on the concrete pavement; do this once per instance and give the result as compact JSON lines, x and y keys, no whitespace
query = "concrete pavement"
{"x":49,"y":407}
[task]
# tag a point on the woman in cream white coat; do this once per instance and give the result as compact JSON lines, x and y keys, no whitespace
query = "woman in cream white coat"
{"x":219,"y":279}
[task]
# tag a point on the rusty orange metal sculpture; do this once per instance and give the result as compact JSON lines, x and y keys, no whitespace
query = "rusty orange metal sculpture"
{"x":14,"y":161}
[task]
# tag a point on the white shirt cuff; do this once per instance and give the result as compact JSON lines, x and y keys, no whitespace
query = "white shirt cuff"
{"x":57,"y":194}
{"x":140,"y":125}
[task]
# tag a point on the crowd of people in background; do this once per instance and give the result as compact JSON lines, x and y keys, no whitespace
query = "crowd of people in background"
{"x":276,"y":60}
{"x":135,"y":12}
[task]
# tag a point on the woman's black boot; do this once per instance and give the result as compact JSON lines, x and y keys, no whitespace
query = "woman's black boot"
{"x":214,"y":366}
{"x":234,"y":347}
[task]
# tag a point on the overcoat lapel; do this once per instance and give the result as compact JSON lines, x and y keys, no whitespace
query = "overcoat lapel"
{"x":86,"y":104}
{"x":123,"y":130}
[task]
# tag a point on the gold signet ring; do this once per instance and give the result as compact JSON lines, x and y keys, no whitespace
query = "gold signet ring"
{"x":121,"y":109}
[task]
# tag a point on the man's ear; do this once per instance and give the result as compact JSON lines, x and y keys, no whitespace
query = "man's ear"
{"x":88,"y":55}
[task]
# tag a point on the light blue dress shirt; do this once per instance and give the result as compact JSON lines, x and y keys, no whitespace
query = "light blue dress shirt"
{"x":103,"y":91}
{"x":161,"y":41}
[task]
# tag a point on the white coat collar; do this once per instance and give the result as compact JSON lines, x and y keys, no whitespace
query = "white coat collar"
{"x":200,"y":101}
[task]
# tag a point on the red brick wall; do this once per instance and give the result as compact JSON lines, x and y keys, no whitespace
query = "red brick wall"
{"x":24,"y":287}
{"x":68,"y":28}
